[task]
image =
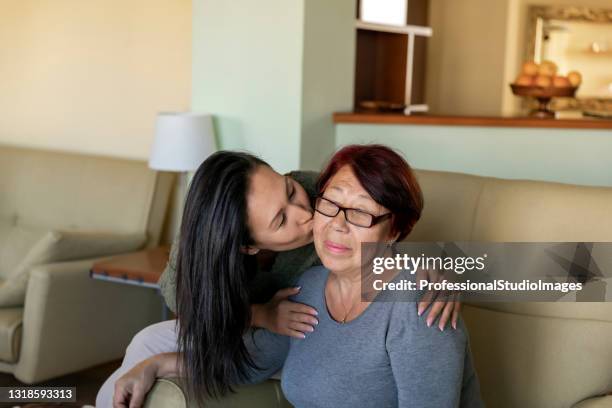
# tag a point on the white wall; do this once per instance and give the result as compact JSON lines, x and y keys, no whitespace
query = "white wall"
{"x":89,"y":76}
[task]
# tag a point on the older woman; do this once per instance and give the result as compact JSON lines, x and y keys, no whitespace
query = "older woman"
{"x":370,"y":354}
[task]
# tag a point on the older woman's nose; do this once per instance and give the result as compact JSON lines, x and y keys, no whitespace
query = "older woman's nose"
{"x":339,"y":222}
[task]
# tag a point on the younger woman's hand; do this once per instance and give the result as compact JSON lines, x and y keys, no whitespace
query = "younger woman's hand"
{"x":446,"y":303}
{"x":132,"y":388}
{"x":285,"y":317}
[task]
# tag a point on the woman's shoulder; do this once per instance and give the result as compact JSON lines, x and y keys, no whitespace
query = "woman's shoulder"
{"x":316,"y":274}
{"x":406,"y":325}
{"x":404,"y":320}
{"x":311,"y":283}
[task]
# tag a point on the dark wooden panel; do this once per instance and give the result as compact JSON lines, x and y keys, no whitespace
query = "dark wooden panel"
{"x":418,"y":12}
{"x":380,"y":71}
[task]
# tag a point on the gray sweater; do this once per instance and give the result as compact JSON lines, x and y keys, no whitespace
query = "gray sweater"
{"x":386,"y":357}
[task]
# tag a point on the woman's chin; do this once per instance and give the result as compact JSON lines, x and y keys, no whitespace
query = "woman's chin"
{"x":336,"y":262}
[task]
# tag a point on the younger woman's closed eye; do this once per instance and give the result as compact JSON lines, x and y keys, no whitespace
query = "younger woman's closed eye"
{"x":291,"y":196}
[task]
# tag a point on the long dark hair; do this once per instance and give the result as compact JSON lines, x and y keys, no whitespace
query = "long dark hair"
{"x":213,"y":308}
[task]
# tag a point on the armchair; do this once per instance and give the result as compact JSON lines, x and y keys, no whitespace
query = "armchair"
{"x":68,"y":321}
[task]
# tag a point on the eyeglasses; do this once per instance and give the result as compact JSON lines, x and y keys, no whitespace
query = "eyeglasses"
{"x":352,"y":215}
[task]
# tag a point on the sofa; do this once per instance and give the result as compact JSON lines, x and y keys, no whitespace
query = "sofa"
{"x":59,"y":213}
{"x":528,"y":355}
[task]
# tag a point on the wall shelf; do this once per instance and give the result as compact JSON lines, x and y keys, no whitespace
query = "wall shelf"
{"x":486,"y":121}
{"x":386,"y":28}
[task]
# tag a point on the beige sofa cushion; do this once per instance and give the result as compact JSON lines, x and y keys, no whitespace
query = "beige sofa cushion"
{"x":532,"y":211}
{"x":451,"y":200}
{"x":60,"y":246}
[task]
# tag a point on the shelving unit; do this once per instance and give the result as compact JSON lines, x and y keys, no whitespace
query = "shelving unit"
{"x":390,"y":62}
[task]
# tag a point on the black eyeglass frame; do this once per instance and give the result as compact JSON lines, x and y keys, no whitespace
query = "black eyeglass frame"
{"x":376,"y":219}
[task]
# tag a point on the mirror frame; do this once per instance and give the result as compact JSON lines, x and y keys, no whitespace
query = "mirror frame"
{"x":568,"y":13}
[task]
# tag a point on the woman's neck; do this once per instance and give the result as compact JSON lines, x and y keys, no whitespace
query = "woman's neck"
{"x":346,"y":283}
{"x":265,"y":259}
{"x":343,"y":296}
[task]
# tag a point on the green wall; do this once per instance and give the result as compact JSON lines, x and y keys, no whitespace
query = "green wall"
{"x":563,"y":155}
{"x":269,"y":73}
{"x":328,"y":75}
{"x":247,"y":73}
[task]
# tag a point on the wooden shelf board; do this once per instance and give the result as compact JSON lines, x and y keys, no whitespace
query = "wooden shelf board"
{"x":487,"y":121}
{"x":387,"y":28}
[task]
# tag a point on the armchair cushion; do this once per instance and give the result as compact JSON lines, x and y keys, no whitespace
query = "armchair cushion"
{"x":57,"y":246}
{"x":10,"y":333}
{"x":597,"y":402}
{"x":15,"y":243}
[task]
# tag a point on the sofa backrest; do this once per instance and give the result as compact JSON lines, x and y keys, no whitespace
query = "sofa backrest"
{"x":473,"y":208}
{"x":527,"y":354}
{"x":72,"y":191}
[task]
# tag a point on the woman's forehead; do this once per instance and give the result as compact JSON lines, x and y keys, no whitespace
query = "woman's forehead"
{"x":345,"y":181}
{"x":265,"y":180}
{"x":267,"y":194}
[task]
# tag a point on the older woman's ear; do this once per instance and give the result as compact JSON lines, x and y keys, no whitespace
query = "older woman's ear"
{"x":393,"y":238}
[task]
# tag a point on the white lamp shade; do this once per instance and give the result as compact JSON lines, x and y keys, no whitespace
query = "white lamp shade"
{"x":182,"y":141}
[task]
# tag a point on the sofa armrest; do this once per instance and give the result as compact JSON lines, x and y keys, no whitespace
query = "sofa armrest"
{"x":72,"y":322}
{"x":597,"y":402}
{"x":168,"y":393}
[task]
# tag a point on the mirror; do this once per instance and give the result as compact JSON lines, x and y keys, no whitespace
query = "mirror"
{"x":575,"y":38}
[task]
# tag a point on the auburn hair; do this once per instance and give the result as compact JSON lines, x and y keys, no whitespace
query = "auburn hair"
{"x":387,"y":178}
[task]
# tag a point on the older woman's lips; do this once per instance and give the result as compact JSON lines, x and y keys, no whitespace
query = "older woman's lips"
{"x":335,"y":248}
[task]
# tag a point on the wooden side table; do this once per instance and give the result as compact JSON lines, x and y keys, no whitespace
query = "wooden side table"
{"x":142,"y":268}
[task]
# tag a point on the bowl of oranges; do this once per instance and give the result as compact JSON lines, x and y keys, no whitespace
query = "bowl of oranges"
{"x":541,"y":81}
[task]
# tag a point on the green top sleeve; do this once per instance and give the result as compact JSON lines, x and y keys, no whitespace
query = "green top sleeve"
{"x":167,"y":281}
{"x":288,"y":266}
